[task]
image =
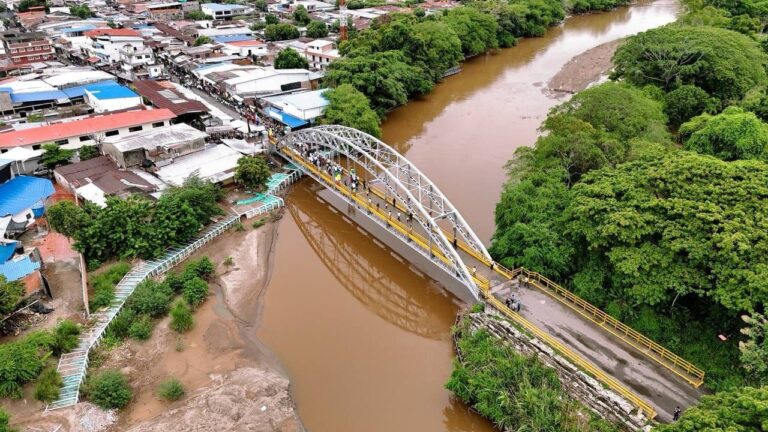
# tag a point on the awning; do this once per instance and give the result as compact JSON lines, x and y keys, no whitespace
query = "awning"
{"x":93,"y":59}
{"x":21,"y":154}
{"x":285,"y":118}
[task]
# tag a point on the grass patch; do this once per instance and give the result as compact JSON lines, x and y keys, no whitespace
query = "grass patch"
{"x":259,"y":223}
{"x":48,"y":385}
{"x":171,"y":390}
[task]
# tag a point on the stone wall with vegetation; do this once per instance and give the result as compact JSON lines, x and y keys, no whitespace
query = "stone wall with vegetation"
{"x":577,"y":384}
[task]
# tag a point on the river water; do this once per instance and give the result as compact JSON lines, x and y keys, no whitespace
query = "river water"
{"x":364,"y":337}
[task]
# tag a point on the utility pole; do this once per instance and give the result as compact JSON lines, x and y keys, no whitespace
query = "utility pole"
{"x":343,"y":20}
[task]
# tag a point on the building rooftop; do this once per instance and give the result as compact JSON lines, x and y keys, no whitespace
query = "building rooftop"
{"x":112,"y":32}
{"x":110,"y":91}
{"x":302,"y":101}
{"x":232,"y":38}
{"x":23,"y":192}
{"x":81,"y":127}
{"x":216,"y":164}
{"x":163,"y":94}
{"x":216,"y":7}
{"x":18,"y":268}
{"x":153,"y":138}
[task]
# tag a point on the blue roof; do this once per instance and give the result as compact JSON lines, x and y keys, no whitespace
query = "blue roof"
{"x":23,"y":192}
{"x":7,"y":250}
{"x":79,"y":91}
{"x":233,"y":38}
{"x":110,"y":91}
{"x":78,"y":28}
{"x":15,"y":270}
{"x":34,"y":96}
{"x":287,"y":119}
{"x":221,"y":7}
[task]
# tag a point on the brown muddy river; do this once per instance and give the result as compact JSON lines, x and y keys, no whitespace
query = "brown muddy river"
{"x":364,"y":338}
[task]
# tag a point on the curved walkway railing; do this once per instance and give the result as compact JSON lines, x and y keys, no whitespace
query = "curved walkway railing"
{"x":73,"y":365}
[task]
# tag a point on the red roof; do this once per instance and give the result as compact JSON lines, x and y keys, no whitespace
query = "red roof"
{"x":111,"y":32}
{"x":254,"y":42}
{"x":86,"y":126}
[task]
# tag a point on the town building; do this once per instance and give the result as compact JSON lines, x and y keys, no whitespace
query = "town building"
{"x":224,"y":11}
{"x":164,"y":94}
{"x":320,"y":53}
{"x":96,"y":179}
{"x":25,"y":48}
{"x":297,"y":109}
{"x":166,"y":11}
{"x":22,"y":201}
{"x":85,"y":131}
{"x":110,"y":97}
{"x":106,"y":44}
{"x":154,"y":147}
{"x":216,"y":164}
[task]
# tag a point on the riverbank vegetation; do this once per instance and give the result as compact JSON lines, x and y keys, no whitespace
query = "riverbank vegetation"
{"x":136,"y":226}
{"x":402,"y":56}
{"x":646,"y":196}
{"x":516,"y":392}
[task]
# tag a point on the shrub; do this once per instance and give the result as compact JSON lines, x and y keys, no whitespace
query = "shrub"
{"x":141,"y":329}
{"x":150,"y":298}
{"x":20,"y":363}
{"x":48,"y":385}
{"x":203,"y":268}
{"x":181,"y":316}
{"x":175,"y":281}
{"x":259,"y":223}
{"x":171,"y":390}
{"x":239,"y":227}
{"x":478,"y":307}
{"x":65,"y":337}
{"x":229,"y":261}
{"x":104,"y":285}
{"x":195,"y":291}
{"x":122,"y":323}
{"x":5,"y":421}
{"x":109,"y":390}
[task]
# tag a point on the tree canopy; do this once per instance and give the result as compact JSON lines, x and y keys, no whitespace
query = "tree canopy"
{"x":317,"y":29}
{"x":289,"y":58}
{"x":53,"y":156}
{"x":731,"y":135}
{"x":202,"y":40}
{"x":11,"y":293}
{"x":252,"y":172}
{"x":348,"y":107}
{"x":741,"y":410}
{"x":723,"y":63}
{"x":80,"y":10}
{"x":301,"y":16}
{"x":476,"y":31}
{"x":280,"y":31}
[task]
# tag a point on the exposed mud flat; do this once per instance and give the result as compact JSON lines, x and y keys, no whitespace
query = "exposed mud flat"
{"x":583,"y":70}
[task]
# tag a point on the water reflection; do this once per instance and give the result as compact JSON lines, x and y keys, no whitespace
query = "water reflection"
{"x":346,"y":252}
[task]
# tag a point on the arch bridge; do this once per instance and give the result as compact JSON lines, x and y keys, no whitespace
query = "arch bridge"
{"x":373,"y":185}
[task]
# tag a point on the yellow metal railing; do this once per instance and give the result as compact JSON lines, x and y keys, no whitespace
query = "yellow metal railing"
{"x":663,"y":356}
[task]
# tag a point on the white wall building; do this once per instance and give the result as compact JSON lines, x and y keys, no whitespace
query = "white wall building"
{"x":320,"y":53}
{"x":111,"y":97}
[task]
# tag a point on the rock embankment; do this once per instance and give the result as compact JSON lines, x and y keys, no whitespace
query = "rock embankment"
{"x":580,"y":386}
{"x":247,"y":399}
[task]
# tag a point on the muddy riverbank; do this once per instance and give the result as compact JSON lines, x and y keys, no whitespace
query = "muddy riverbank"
{"x":584,"y":69}
{"x":231,"y":383}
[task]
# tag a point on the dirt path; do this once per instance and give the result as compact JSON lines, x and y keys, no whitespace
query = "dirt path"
{"x":583,"y":70}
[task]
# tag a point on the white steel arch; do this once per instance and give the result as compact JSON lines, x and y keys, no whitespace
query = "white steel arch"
{"x":404,"y":181}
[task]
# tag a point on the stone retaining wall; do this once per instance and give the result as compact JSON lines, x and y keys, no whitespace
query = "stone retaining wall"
{"x":587,"y":390}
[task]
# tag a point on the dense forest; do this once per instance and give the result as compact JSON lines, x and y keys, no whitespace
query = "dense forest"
{"x":647,"y":196}
{"x":402,"y":56}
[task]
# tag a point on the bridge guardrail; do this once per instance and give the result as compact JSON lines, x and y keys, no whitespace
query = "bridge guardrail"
{"x":681,"y":367}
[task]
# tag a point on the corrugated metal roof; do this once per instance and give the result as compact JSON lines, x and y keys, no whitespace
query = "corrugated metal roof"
{"x":22,"y":193}
{"x":79,"y":91}
{"x":110,"y":91}
{"x":19,"y":98}
{"x":17,"y":269}
{"x":232,"y":38}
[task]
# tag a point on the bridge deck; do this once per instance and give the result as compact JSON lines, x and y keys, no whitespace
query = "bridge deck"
{"x":637,"y":374}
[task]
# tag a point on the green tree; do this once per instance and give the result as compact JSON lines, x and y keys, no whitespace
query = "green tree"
{"x":181,"y":317}
{"x":260,"y":5}
{"x":67,"y":218}
{"x":202,"y":40}
{"x":685,"y":102}
{"x":723,"y":63}
{"x":65,"y":337}
{"x":476,"y":31}
{"x":740,"y":410}
{"x":171,"y":390}
{"x":150,"y":298}
{"x":141,"y":328}
{"x":317,"y":29}
{"x":88,"y":152}
{"x":80,"y":10}
{"x":24,"y":5}
{"x":731,"y":135}
{"x":271,"y":19}
{"x":53,"y":156}
{"x":5,"y":422}
{"x":384,"y":77}
{"x":196,"y":15}
{"x":281,"y":31}
{"x":252,"y":172}
{"x":195,"y":291}
{"x":20,"y":363}
{"x":11,"y":293}
{"x":745,"y":24}
{"x":348,"y":107}
{"x":289,"y":58}
{"x":754,"y":350}
{"x":301,"y":16}
{"x":109,"y":390}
